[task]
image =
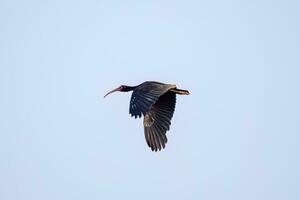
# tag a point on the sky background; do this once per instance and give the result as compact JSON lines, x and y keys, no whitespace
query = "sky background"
{"x":235,"y":137}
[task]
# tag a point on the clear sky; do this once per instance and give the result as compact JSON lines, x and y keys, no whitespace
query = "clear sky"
{"x":236,"y":137}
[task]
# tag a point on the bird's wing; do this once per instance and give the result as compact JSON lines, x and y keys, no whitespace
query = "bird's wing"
{"x":157,"y":121}
{"x":145,"y":95}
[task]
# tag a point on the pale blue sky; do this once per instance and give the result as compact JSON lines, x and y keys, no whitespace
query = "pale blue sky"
{"x":236,"y":137}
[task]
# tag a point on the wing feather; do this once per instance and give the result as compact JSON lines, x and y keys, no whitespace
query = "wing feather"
{"x":146,"y":95}
{"x":157,"y":121}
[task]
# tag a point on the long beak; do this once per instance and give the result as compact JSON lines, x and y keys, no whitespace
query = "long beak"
{"x":115,"y":90}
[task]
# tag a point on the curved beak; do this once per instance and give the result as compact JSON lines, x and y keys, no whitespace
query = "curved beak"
{"x":114,"y":90}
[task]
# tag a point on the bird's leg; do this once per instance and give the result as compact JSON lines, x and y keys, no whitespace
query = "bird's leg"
{"x":181,"y":92}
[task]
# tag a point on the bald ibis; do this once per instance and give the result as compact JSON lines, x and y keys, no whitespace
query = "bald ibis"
{"x":156,"y":102}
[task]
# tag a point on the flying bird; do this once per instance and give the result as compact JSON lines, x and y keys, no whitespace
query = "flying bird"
{"x":156,"y":102}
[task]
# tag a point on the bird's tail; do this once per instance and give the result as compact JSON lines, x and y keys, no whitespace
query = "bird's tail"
{"x":181,"y":92}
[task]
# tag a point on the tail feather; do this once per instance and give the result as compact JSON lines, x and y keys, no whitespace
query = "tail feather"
{"x":181,"y":92}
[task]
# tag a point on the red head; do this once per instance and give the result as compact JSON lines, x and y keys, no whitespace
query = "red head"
{"x":122,"y":88}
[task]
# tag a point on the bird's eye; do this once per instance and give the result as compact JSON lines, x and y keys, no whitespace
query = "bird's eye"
{"x":122,"y":87}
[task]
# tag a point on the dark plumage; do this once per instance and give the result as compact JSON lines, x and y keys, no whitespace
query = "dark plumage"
{"x":156,"y":102}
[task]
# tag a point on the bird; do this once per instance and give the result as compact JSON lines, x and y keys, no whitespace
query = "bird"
{"x":156,"y":102}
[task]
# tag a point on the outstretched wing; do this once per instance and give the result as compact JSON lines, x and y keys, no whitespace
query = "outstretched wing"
{"x":157,"y":121}
{"x":145,"y":95}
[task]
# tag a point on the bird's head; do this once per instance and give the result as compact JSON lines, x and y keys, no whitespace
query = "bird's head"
{"x":122,"y":88}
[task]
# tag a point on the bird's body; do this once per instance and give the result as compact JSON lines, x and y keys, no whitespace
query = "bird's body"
{"x":156,"y":102}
